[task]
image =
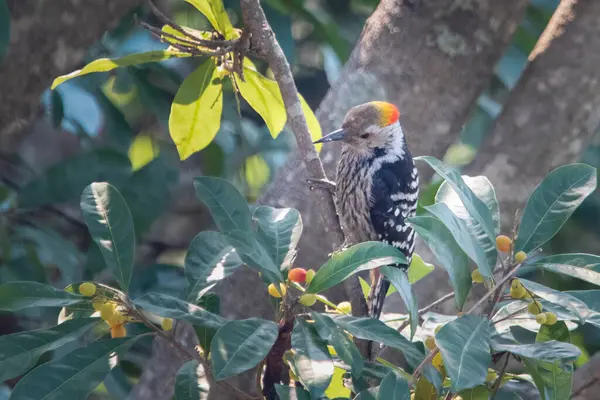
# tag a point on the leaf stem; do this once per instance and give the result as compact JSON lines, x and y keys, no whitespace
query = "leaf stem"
{"x":500,"y":376}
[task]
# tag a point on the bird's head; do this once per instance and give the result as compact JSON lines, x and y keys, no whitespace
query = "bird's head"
{"x":368,"y":126}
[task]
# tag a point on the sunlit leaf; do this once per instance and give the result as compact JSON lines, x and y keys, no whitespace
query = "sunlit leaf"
{"x":215,"y":12}
{"x":196,"y":110}
{"x":279,"y":230}
{"x":336,"y":389}
{"x":108,"y":64}
{"x":552,"y":203}
{"x":142,"y":151}
{"x":312,"y":122}
{"x":109,"y":221}
{"x":225,"y":203}
{"x":256,"y":174}
{"x":16,"y":296}
{"x":241,"y":345}
{"x":360,"y":257}
{"x":418,"y":269}
{"x":182,"y":39}
{"x":210,"y":258}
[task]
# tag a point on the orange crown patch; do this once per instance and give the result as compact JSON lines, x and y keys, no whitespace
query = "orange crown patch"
{"x":389,"y":113}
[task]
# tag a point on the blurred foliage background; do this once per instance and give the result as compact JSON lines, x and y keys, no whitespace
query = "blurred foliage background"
{"x":119,"y":121}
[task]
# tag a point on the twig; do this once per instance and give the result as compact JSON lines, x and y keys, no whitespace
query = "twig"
{"x":427,"y":308}
{"x":500,"y":376}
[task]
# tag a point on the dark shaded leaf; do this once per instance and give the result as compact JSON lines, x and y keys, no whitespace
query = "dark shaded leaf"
{"x":399,"y":280}
{"x":547,"y":351}
{"x":562,"y":299}
{"x":557,"y":377}
{"x":581,"y":266}
{"x":16,"y":296}
{"x":252,"y":252}
{"x":225,"y":203}
{"x":393,"y":387}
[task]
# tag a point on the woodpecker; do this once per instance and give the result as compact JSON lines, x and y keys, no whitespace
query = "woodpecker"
{"x":377,"y":185}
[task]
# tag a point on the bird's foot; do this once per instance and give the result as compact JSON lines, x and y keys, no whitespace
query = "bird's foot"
{"x":322,"y":184}
{"x":340,"y":248}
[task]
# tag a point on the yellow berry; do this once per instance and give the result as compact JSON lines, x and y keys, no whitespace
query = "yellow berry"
{"x":167,"y":324}
{"x":503,"y":243}
{"x":429,"y":342}
{"x":331,"y":350}
{"x":520,"y":256}
{"x":437,"y":329}
{"x":491,"y":376}
{"x":535,"y":307}
{"x":277,"y":293}
{"x":310,"y":274}
{"x":118,"y":331}
{"x":117,"y":319}
{"x":345,"y":307}
{"x":437,"y":361}
{"x":308,"y":299}
{"x":97,"y":305}
{"x":550,"y":318}
{"x":87,"y":289}
{"x":541,"y":318}
{"x":517,"y":290}
{"x":107,"y":311}
{"x":476,"y":276}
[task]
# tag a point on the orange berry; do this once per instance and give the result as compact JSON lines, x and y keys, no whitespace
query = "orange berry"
{"x":503,"y":243}
{"x":297,"y":275}
{"x":118,"y":331}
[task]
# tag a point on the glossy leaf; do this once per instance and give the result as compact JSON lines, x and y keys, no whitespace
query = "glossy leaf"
{"x":465,"y":347}
{"x":314,"y":128}
{"x":361,"y":257}
{"x":264,"y":97}
{"x":279,"y":230}
{"x":445,"y":249}
{"x":252,"y":252}
{"x":460,"y":232}
{"x":209,"y":259}
{"x":226,"y":204}
{"x":478,"y":210}
{"x":547,"y":351}
{"x":109,"y":221}
{"x":368,"y":394}
{"x":171,"y":307}
{"x":562,"y":299}
{"x":418,"y":269}
{"x":557,"y":377}
{"x":196,"y":110}
{"x":211,"y":303}
{"x":552,"y":203}
{"x":66,"y":180}
{"x":291,"y":392}
{"x":16,"y":296}
{"x":108,"y":64}
{"x":21,"y":351}
{"x":313,"y":363}
{"x":393,"y":387}
{"x":187,"y":382}
{"x":241,"y":345}
{"x":399,"y":280}
{"x":215,"y":12}
{"x":477,"y":393}
{"x":581,"y":266}
{"x":344,"y":347}
{"x":75,"y":375}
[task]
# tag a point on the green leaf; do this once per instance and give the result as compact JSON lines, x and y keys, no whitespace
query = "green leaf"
{"x":547,"y":351}
{"x":393,"y":388}
{"x":465,"y":347}
{"x":344,"y":347}
{"x":241,"y":345}
{"x":477,"y":393}
{"x":4,"y":28}
{"x":209,"y":259}
{"x":418,"y":269}
{"x":215,"y":12}
{"x":211,"y":303}
{"x":314,"y":128}
{"x":108,"y":64}
{"x":16,"y":296}
{"x":171,"y":307}
{"x":21,"y":351}
{"x":187,"y":382}
{"x":291,"y":392}
{"x":552,"y":203}
{"x":447,"y":252}
{"x":460,"y":231}
{"x":368,"y":394}
{"x":313,"y":363}
{"x":226,"y":204}
{"x":66,"y":180}
{"x":75,"y":375}
{"x":579,"y":266}
{"x":557,"y":377}
{"x":482,"y":220}
{"x":252,"y":252}
{"x":279,"y":230}
{"x":399,"y":280}
{"x":264,"y":97}
{"x":196,"y":110}
{"x":109,"y":221}
{"x":360,"y":257}
{"x":562,"y":299}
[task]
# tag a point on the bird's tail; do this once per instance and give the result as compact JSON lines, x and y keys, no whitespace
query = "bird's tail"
{"x":379,"y":288}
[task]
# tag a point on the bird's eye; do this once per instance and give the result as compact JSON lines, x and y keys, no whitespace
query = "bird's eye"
{"x":365,"y":135}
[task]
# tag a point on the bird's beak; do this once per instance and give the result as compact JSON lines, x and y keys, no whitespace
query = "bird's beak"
{"x":333,"y":136}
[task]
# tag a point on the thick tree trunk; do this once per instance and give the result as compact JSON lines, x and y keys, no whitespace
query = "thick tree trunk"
{"x":553,"y":111}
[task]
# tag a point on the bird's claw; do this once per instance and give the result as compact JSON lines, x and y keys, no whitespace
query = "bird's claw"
{"x":322,"y":184}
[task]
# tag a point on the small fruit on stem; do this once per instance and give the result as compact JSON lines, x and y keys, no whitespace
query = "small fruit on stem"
{"x":308,"y":299}
{"x":87,"y":289}
{"x":550,"y":318}
{"x":167,"y":324}
{"x":541,"y":318}
{"x":476,"y":276}
{"x":310,"y":274}
{"x":429,"y":342}
{"x":535,"y":307}
{"x":503,"y":243}
{"x":118,"y":331}
{"x":277,"y":293}
{"x":517,"y":290}
{"x":345,"y":307}
{"x":520,"y":257}
{"x":297,"y":275}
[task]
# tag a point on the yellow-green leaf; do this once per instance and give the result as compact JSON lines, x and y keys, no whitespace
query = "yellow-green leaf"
{"x":313,"y":123}
{"x":215,"y":12}
{"x":256,"y":173}
{"x":108,"y":64}
{"x":336,"y":388}
{"x":264,"y":97}
{"x":196,"y":111}
{"x":418,"y":269}
{"x":168,"y":29}
{"x":142,"y":151}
